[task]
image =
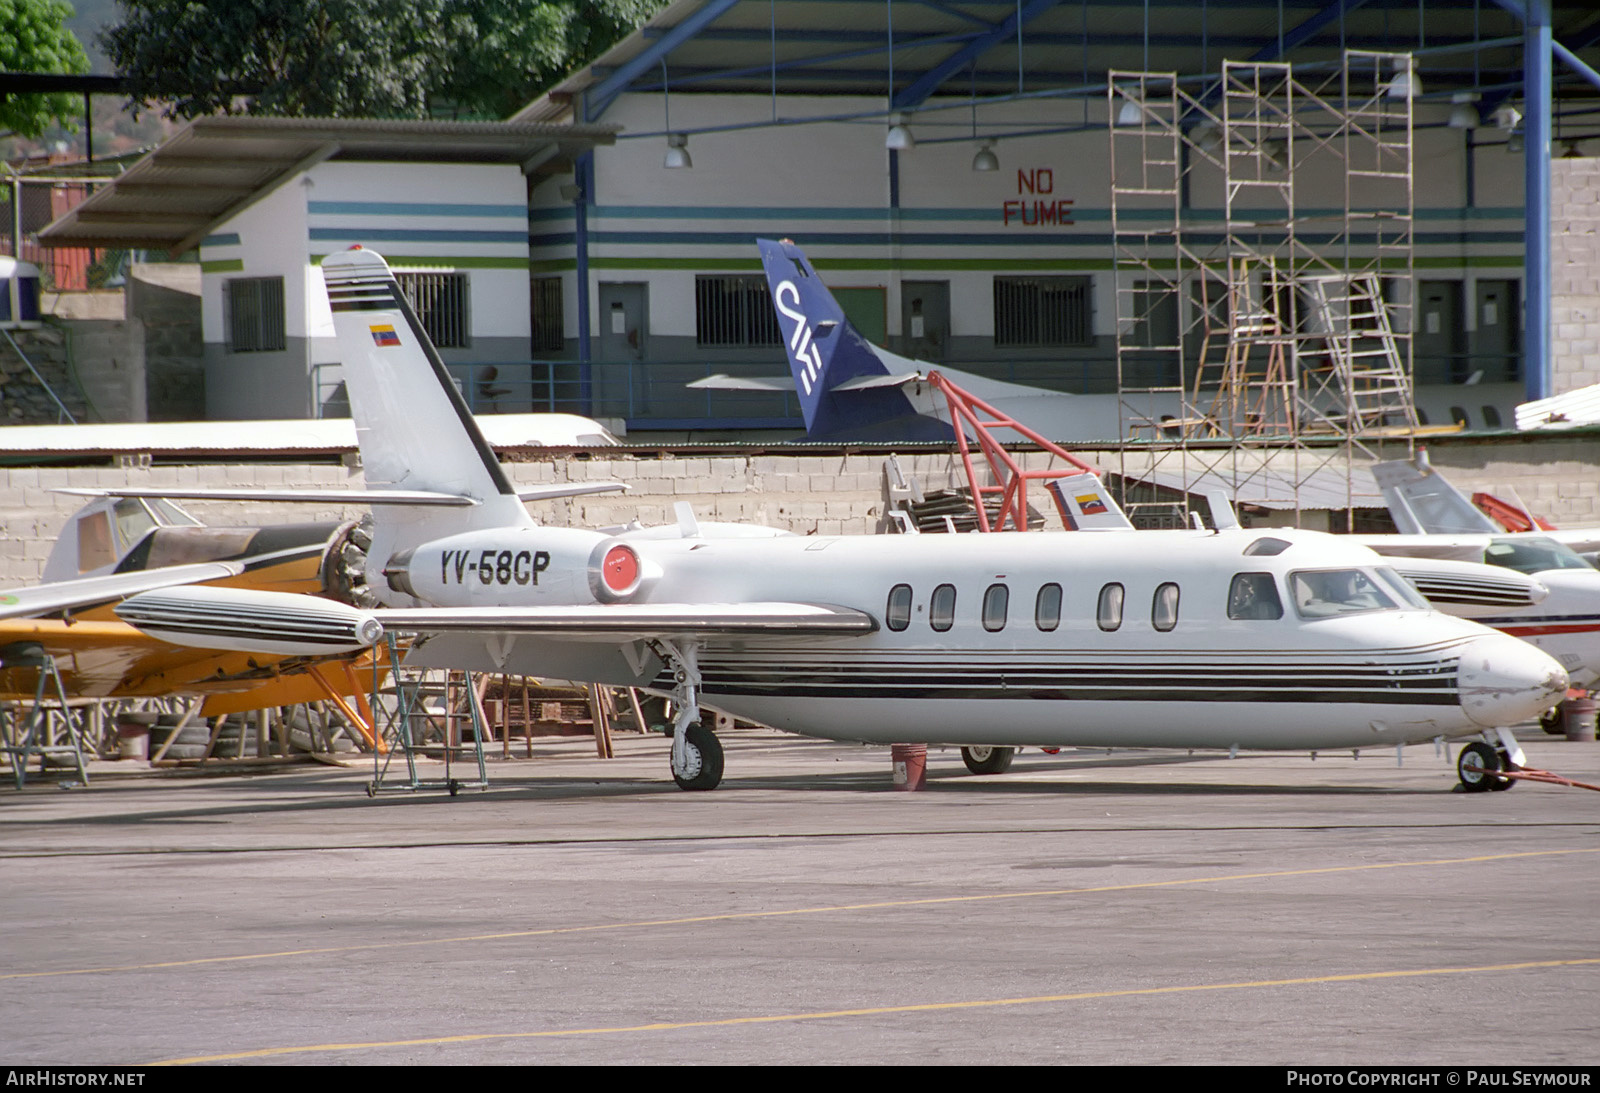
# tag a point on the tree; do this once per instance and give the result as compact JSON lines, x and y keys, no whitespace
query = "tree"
{"x":358,"y":58}
{"x":33,"y":39}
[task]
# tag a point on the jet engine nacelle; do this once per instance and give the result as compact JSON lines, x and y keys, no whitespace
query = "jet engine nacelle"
{"x":507,"y":567}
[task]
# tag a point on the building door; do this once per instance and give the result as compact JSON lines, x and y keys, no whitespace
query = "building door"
{"x":1439,"y":352}
{"x":619,"y":382}
{"x":1497,"y":341}
{"x":925,"y":319}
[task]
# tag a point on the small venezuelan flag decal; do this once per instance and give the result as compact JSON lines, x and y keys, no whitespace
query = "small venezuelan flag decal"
{"x":384,"y":335}
{"x":1091,"y":504}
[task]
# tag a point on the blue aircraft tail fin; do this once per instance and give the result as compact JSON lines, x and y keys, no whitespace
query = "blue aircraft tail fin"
{"x":832,"y":363}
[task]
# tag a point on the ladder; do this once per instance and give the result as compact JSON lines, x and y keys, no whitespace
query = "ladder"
{"x":1361,"y":378}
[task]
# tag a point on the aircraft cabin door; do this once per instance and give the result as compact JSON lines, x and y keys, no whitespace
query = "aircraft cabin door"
{"x":1440,"y":350}
{"x":619,"y":380}
{"x":925,"y":319}
{"x":1496,"y":343}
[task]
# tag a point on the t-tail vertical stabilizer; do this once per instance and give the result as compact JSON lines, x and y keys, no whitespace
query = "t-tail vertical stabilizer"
{"x":847,"y":386}
{"x":414,"y":429}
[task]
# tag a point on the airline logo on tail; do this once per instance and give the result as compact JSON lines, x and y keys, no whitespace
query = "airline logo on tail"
{"x":384,"y":336}
{"x":802,"y":343}
{"x":1091,"y":505}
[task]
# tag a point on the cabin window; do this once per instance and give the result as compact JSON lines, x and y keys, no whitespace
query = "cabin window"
{"x":440,"y":302}
{"x":1254,"y":596}
{"x":897,"y":616}
{"x":1321,"y":593}
{"x":1042,"y":311}
{"x":1109,"y":613}
{"x":254,"y":318}
{"x":1164,"y":607}
{"x":1047,"y":607}
{"x":996,"y":598}
{"x":942,"y":608}
{"x":734,"y":309}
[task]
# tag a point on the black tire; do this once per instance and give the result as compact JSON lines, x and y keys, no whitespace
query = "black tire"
{"x":705,"y":759}
{"x":1554,"y":721}
{"x":1477,"y":766}
{"x":1503,"y":783}
{"x":980,"y":760}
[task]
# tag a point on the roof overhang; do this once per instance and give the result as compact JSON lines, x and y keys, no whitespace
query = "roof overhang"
{"x":215,"y":167}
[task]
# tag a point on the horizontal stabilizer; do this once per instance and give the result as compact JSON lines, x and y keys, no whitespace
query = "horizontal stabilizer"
{"x":724,"y":382}
{"x":346,"y":497}
{"x":872,"y":383}
{"x":1086,"y":505}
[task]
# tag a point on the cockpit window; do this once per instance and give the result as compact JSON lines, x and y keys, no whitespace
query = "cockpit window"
{"x":1403,"y":588}
{"x":169,"y":515}
{"x":1266,"y":547}
{"x":1532,"y":555}
{"x":1320,"y":593}
{"x":132,"y":519}
{"x":1254,"y":596}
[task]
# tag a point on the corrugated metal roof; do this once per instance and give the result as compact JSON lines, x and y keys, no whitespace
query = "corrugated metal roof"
{"x":214,"y":167}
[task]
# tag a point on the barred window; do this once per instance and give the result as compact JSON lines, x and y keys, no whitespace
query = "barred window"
{"x":440,"y":301}
{"x":734,"y":310}
{"x":545,"y":309}
{"x":1041,"y":311}
{"x":255,"y":315}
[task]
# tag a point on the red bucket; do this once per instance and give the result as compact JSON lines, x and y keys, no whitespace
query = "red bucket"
{"x":910,"y":765}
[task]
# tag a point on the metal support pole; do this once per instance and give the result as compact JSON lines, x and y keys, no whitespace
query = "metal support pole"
{"x":1536,"y":88}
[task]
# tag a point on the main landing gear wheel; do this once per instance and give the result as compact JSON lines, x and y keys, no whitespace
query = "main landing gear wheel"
{"x":1478,"y":767}
{"x":701,"y":767}
{"x":988,"y":760}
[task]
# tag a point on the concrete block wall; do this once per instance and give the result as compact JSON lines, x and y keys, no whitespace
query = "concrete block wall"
{"x":821,"y":494}
{"x":1575,"y":273}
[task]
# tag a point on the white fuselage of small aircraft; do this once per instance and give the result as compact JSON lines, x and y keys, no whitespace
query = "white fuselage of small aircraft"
{"x":1292,"y":640}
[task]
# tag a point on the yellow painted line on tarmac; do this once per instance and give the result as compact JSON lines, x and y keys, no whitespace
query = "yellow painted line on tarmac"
{"x":736,"y":916}
{"x":875,"y":1011}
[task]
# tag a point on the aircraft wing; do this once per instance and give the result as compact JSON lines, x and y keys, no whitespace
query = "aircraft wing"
{"x":631,"y":622}
{"x":288,"y":623}
{"x":350,"y":497}
{"x":1460,"y":548}
{"x":45,"y":599}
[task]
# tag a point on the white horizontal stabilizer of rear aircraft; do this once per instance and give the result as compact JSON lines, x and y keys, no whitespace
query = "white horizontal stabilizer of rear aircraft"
{"x":1190,"y":639}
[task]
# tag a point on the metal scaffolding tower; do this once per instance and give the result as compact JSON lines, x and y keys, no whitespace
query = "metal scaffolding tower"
{"x":1269,"y":350}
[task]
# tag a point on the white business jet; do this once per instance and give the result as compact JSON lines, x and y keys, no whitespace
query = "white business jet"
{"x":1439,"y":523}
{"x":1226,"y":640}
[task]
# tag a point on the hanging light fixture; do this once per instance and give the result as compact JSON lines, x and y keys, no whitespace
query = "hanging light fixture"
{"x":899,"y":138}
{"x":677,"y":143}
{"x":1463,"y":114}
{"x":1207,"y":138}
{"x":1507,"y":117}
{"x":1514,"y":143}
{"x":1132,"y":111}
{"x":1571,"y":150}
{"x":1406,"y":83}
{"x":986,"y":160}
{"x":677,"y":151}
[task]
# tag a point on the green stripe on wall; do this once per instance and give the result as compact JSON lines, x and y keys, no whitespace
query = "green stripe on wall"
{"x":223,"y":265}
{"x":432,"y":260}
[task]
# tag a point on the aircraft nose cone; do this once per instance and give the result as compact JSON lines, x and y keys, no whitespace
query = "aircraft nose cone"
{"x":1503,"y":680}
